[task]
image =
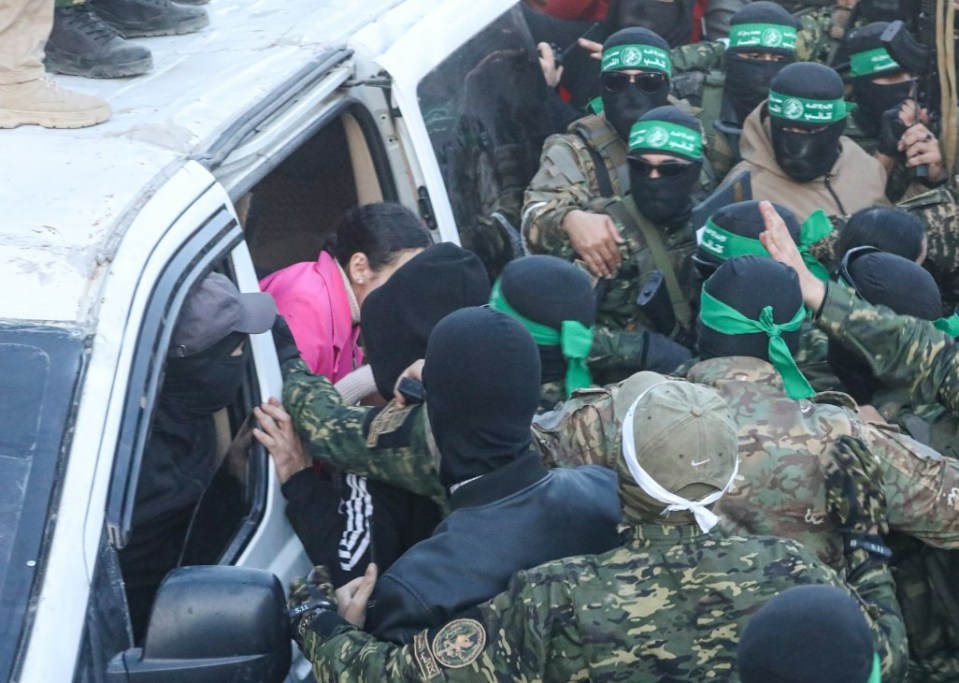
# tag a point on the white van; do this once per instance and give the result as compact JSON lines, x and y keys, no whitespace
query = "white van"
{"x":238,"y":154}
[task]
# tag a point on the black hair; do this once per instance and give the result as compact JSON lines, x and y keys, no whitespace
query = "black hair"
{"x":380,"y":231}
{"x":891,"y":230}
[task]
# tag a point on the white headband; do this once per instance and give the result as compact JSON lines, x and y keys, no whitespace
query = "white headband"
{"x":706,"y":518}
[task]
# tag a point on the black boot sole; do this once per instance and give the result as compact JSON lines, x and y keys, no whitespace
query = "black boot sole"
{"x":68,"y":68}
{"x":180,"y":29}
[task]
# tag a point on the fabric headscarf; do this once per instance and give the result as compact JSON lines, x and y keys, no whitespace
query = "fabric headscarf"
{"x":763,"y":27}
{"x":752,"y":306}
{"x":808,"y":633}
{"x":554,"y":301}
{"x":482,"y":379}
{"x":642,"y":50}
{"x":807,"y":96}
{"x":666,"y":200}
{"x":399,"y":316}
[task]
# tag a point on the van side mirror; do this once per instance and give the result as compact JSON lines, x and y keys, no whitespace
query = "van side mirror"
{"x":216,"y":623}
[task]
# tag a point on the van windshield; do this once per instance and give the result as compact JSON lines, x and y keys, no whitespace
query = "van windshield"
{"x":39,"y":371}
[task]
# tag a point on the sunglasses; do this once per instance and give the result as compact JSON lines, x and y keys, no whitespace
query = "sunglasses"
{"x":847,"y":260}
{"x":648,"y":83}
{"x":666,"y":169}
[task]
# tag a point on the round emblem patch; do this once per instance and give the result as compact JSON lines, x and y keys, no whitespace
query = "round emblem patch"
{"x":793,"y":109}
{"x":657,"y":137}
{"x":459,"y":643}
{"x":772,"y":37}
{"x":632,"y":57}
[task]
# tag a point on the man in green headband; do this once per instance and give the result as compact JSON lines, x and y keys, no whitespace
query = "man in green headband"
{"x":668,"y":605}
{"x":588,"y":162}
{"x":793,"y":147}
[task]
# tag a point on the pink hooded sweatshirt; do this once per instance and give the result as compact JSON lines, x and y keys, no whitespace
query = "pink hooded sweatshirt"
{"x":316,"y":304}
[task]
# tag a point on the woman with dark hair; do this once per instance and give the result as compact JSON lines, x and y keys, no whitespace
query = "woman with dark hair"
{"x":891,"y":230}
{"x":321,"y":300}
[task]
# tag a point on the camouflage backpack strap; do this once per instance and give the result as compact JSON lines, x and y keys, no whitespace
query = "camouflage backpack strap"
{"x":625,"y":213}
{"x":602,"y":143}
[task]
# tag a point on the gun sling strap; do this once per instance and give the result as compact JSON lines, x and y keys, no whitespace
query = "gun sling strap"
{"x":620,"y":212}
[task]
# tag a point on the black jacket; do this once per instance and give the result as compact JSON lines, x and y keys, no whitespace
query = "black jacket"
{"x":515,"y":518}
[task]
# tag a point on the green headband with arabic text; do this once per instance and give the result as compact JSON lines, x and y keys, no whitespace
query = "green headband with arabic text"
{"x":870,"y":62}
{"x":725,"y":245}
{"x":803,"y":110}
{"x":762,"y":36}
{"x":643,"y":57}
{"x":664,"y":137}
{"x":725,"y":319}
{"x":574,"y":339}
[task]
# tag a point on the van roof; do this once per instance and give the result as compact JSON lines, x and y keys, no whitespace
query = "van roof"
{"x":63,"y":193}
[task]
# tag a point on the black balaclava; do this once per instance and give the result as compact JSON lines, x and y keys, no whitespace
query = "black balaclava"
{"x":758,"y":27}
{"x":888,"y":229}
{"x":869,"y":60}
{"x":622,"y":109}
{"x":888,"y":280}
{"x":198,"y":385}
{"x":734,"y":231}
{"x":807,"y":633}
{"x":666,"y":200}
{"x":482,"y":379}
{"x":398,"y":317}
{"x":549,"y":290}
{"x":748,"y":284}
{"x":673,"y":21}
{"x":807,"y":96}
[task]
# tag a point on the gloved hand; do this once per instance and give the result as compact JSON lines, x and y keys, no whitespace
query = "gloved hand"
{"x":891,"y":131}
{"x":309,"y":596}
{"x":662,"y":354}
{"x":283,"y":340}
{"x":855,"y":498}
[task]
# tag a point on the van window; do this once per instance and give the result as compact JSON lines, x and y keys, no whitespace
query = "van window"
{"x":40,"y":368}
{"x":288,"y":216}
{"x":485,"y":112}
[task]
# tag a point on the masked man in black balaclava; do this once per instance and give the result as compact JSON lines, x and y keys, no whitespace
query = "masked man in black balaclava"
{"x":482,"y":378}
{"x":589,"y":162}
{"x":209,"y":354}
{"x":795,"y":152}
{"x":670,"y":19}
{"x":884,"y":94}
{"x":665,"y":156}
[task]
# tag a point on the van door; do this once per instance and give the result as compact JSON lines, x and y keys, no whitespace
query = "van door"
{"x":473,"y":109}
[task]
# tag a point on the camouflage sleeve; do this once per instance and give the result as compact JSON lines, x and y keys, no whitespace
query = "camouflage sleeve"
{"x":582,"y":431}
{"x":874,"y":586}
{"x":704,"y":56}
{"x":562,"y":184}
{"x":334,"y":432}
{"x":921,"y":487}
{"x":903,"y":351}
{"x":813,"y":40}
{"x":525,"y":633}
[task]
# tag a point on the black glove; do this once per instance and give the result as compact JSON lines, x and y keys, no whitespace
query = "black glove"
{"x":891,"y":131}
{"x":661,"y":354}
{"x":854,"y":491}
{"x":283,"y":340}
{"x":309,"y":597}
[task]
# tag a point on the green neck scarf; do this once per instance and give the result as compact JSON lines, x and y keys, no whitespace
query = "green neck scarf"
{"x":875,"y":676}
{"x":574,"y":338}
{"x":815,"y":228}
{"x":723,"y":318}
{"x":949,"y":325}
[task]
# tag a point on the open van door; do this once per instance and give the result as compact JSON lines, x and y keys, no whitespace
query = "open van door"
{"x":470,"y":104}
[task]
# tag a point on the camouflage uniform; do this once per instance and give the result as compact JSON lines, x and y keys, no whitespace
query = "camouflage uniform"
{"x":781,"y":490}
{"x":938,"y":209}
{"x":668,"y":606}
{"x":394,"y":445}
{"x":905,"y":352}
